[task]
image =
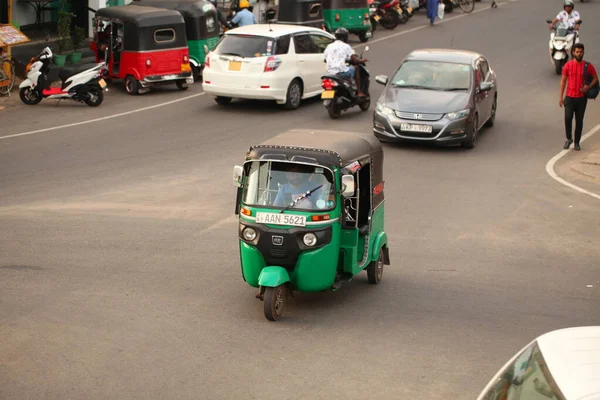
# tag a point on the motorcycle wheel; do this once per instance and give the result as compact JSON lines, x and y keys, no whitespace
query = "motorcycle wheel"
{"x":390,"y":20}
{"x":333,"y":110}
{"x":96,"y":98}
{"x":30,"y":96}
{"x":402,"y":19}
{"x":365,"y":105}
{"x":558,"y":66}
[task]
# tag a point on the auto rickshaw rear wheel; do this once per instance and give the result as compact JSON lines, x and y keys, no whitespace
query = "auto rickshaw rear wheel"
{"x":375,"y":269}
{"x":362,"y":36}
{"x":274,"y":300}
{"x":132,"y":86}
{"x":181,"y":85}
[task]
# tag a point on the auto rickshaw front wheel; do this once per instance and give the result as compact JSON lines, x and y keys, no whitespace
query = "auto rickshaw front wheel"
{"x":375,"y":269}
{"x":274,"y":300}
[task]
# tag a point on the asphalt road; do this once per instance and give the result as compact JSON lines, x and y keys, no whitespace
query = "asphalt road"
{"x":119,"y":271}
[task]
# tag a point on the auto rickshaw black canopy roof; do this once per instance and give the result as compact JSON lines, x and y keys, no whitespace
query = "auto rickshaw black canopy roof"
{"x":195,"y":13}
{"x":333,"y":148}
{"x":141,"y":16}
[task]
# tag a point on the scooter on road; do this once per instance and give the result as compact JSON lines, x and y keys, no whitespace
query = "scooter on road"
{"x":562,"y":39}
{"x":83,"y":83}
{"x":340,"y":93}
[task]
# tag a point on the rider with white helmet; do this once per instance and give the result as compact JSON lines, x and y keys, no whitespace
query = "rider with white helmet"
{"x":568,"y":15}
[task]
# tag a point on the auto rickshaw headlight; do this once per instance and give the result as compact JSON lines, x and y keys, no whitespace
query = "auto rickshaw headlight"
{"x":249,"y":234}
{"x":310,"y":239}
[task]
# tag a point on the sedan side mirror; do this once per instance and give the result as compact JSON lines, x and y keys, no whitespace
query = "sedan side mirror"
{"x":486,"y":86}
{"x":348,"y":186}
{"x":238,"y":172}
{"x":382,"y":79}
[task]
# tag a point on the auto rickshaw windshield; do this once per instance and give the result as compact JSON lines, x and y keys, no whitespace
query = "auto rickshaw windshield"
{"x":279,"y":184}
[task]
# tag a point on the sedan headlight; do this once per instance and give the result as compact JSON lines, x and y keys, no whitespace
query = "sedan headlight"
{"x":383,"y":110}
{"x":249,"y":234}
{"x":458,"y":114}
{"x":310,"y":239}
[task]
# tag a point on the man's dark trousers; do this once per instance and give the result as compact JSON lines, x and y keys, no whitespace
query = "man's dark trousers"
{"x":574,"y":106}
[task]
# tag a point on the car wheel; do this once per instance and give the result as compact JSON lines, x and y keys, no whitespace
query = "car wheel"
{"x":223,"y":101}
{"x":490,"y":122}
{"x":470,"y":142}
{"x":293,"y":97}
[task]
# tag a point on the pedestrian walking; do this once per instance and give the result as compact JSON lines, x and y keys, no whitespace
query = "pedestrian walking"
{"x":494,"y":5}
{"x":432,"y":10}
{"x":575,"y":100}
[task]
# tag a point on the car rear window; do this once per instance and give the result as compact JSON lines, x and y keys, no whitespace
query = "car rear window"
{"x":246,"y":46}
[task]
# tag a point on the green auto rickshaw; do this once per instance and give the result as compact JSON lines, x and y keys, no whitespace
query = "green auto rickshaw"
{"x":311,"y":213}
{"x":201,"y":26}
{"x":350,"y":14}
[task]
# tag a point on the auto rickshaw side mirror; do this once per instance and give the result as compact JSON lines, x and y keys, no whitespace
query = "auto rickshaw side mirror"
{"x":238,"y":172}
{"x":348,"y":185}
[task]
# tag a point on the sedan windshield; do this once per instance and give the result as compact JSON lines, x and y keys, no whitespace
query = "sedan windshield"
{"x":245,"y":46}
{"x":433,"y":76}
{"x":280,"y":184}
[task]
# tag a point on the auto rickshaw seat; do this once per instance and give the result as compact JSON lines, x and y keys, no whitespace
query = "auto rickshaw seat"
{"x":68,"y":72}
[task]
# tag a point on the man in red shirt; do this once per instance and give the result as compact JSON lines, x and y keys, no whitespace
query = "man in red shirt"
{"x":575,"y":100}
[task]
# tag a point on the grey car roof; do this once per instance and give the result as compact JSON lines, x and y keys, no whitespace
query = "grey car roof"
{"x":444,"y":55}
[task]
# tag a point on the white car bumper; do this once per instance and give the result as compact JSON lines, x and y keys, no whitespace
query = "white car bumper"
{"x":262,"y":93}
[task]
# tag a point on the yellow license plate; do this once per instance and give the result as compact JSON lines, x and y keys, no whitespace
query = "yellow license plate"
{"x":235,"y":65}
{"x":328,"y":94}
{"x":377,"y":18}
{"x":186,"y":67}
{"x":102,"y":83}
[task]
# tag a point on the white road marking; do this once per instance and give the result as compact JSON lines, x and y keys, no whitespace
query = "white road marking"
{"x":200,"y":94}
{"x":553,"y":160}
{"x":89,"y":121}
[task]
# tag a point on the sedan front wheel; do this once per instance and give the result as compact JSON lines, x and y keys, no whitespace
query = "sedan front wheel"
{"x":470,"y":142}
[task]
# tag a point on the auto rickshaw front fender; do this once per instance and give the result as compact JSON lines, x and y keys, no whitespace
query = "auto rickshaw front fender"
{"x":273,"y":276}
{"x":381,"y":240}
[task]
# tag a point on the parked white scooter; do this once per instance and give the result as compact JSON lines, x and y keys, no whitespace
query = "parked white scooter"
{"x":83,"y":83}
{"x":562,"y":39}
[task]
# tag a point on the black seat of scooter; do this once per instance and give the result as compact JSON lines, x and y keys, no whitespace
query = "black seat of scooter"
{"x":338,"y":78}
{"x":68,"y":72}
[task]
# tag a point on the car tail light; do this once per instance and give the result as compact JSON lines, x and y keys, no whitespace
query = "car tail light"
{"x":186,"y":59}
{"x":337,"y":17}
{"x":207,"y":61}
{"x":328,"y":84}
{"x":272,"y":64}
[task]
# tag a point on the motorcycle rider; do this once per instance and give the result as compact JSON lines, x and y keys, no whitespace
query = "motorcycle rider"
{"x":244,"y":16}
{"x":337,"y":53}
{"x":568,"y":15}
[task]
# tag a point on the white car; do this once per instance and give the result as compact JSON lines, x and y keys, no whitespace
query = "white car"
{"x":277,"y":62}
{"x":559,"y":365}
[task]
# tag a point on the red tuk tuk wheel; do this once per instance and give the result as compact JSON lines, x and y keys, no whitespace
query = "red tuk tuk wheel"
{"x":132,"y":85}
{"x":181,"y":85}
{"x":274,"y":299}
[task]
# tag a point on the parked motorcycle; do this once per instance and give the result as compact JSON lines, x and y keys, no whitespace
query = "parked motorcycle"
{"x":387,"y":13}
{"x":83,"y":83}
{"x":341,"y":93}
{"x":562,"y":39}
{"x":407,"y":11}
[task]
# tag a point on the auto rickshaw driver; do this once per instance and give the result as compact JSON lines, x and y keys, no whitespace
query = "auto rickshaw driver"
{"x":300,"y":181}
